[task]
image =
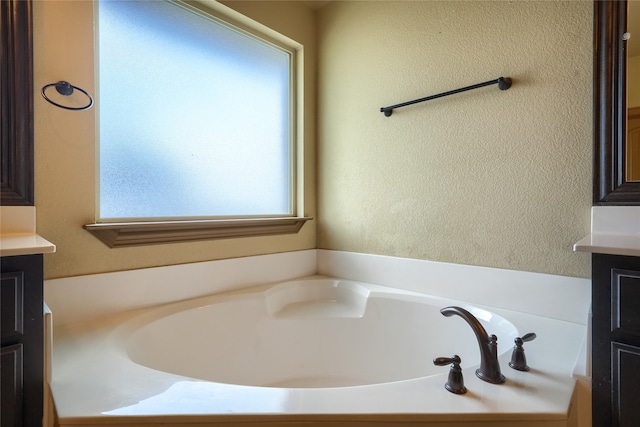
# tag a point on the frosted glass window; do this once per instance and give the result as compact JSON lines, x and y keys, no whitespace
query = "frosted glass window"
{"x":194,"y":116}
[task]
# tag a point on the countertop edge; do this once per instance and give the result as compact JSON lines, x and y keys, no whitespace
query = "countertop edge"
{"x":610,"y":244}
{"x":25,"y":244}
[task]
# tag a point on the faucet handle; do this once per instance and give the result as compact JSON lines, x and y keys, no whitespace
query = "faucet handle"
{"x":455,"y":382}
{"x":518,"y":359}
{"x":527,"y":337}
{"x":443,"y":361}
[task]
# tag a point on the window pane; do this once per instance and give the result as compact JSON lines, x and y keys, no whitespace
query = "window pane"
{"x":194,"y":116}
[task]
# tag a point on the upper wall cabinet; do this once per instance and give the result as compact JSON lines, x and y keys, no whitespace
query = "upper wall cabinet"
{"x":613,"y":185}
{"x":16,"y":94}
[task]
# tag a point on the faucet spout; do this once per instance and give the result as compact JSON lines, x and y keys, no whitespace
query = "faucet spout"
{"x":489,"y":370}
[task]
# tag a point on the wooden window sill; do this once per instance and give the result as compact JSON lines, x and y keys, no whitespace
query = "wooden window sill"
{"x":127,"y":234}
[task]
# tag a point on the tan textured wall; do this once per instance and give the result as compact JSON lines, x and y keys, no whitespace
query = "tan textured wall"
{"x":65,"y":147}
{"x":490,"y":178}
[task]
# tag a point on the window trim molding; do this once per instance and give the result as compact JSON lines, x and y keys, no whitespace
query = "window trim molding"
{"x":127,"y":234}
{"x":130,"y":234}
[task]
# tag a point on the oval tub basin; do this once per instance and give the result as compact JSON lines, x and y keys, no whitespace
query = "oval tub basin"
{"x":309,"y":334}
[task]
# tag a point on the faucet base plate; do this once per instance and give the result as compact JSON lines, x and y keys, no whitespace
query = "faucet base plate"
{"x":498,"y":379}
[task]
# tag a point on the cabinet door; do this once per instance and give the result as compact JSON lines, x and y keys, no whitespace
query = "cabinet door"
{"x":616,"y":341}
{"x":625,"y":363}
{"x":11,"y":375}
{"x":22,"y":306}
{"x":11,"y":312}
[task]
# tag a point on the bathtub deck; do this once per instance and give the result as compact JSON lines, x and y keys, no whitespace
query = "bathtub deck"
{"x":333,"y":420}
{"x":95,"y":384}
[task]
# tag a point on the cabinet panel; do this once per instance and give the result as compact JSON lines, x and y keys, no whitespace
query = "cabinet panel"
{"x":615,"y":341}
{"x":22,"y":353}
{"x":11,"y":375}
{"x":625,"y":301}
{"x":625,"y":362}
{"x":11,"y":313}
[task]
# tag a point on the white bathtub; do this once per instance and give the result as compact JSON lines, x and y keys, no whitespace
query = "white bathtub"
{"x":316,"y":333}
{"x":316,"y":349}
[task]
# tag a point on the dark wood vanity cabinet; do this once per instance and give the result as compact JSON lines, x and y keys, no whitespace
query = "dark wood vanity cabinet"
{"x":21,"y":304}
{"x":616,"y":341}
{"x":22,"y":329}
